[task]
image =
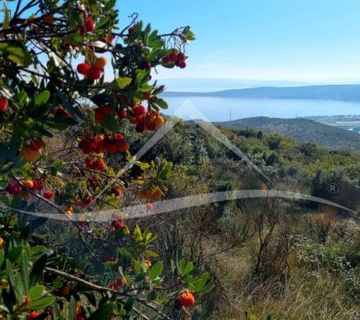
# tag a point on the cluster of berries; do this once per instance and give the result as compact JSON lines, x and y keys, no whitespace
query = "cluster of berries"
{"x":36,"y":185}
{"x":175,"y":58}
{"x":92,"y":71}
{"x":144,"y":120}
{"x":100,"y":143}
{"x":95,"y":164}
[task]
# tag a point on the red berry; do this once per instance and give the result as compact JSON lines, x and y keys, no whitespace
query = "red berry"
{"x":48,"y":194}
{"x":173,"y":57}
{"x":118,"y":224}
{"x":120,"y":283}
{"x":119,"y":137}
{"x":14,"y":188}
{"x":37,"y":184}
{"x":139,"y":110}
{"x":35,"y":144}
{"x":140,"y":127}
{"x":182,"y":64}
{"x":180,"y":57}
{"x":116,"y":190}
{"x":187,"y":299}
{"x":101,"y":164}
{"x":33,"y":315}
{"x":59,"y":112}
{"x":123,"y":147}
{"x":102,"y":113}
{"x":87,"y":201}
{"x":122,"y":114}
{"x":90,"y":24}
{"x":94,"y":73}
{"x":3,"y":104}
{"x":91,"y":163}
{"x":137,"y":119}
{"x":83,"y":68}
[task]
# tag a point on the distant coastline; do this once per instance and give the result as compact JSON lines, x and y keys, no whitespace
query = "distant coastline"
{"x":350,"y":93}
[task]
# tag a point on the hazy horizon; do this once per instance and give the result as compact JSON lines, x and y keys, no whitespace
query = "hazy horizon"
{"x":219,"y":84}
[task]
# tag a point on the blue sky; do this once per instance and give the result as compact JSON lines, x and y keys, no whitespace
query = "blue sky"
{"x":309,"y":41}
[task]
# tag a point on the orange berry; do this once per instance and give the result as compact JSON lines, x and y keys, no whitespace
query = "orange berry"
{"x":147,"y":264}
{"x":28,"y":184}
{"x":29,"y":154}
{"x":2,"y":241}
{"x":69,"y":211}
{"x":187,"y":299}
{"x":159,"y":121}
{"x":100,"y":62}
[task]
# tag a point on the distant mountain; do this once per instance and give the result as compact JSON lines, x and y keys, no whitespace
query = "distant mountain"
{"x":302,"y":130}
{"x":216,"y":84}
{"x":323,"y":92}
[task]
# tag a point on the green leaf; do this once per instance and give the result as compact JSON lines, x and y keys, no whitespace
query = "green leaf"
{"x":104,"y":312}
{"x":189,"y":35}
{"x":103,"y":23}
{"x":185,"y":267}
{"x":2,"y":256}
{"x":6,"y":22}
{"x":19,"y":55}
{"x":42,"y":98}
{"x":110,"y":5}
{"x":13,"y":282}
{"x":161,"y":103}
{"x":37,"y":292}
{"x":137,"y":234}
{"x":25,"y":270}
{"x":37,"y":270}
{"x":72,"y":307}
{"x":156,"y":270}
{"x":41,"y":303}
{"x":123,"y":82}
{"x":3,"y":45}
{"x":156,"y":54}
{"x":200,"y":282}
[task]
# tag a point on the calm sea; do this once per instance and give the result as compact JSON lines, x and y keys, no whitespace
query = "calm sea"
{"x":220,"y":109}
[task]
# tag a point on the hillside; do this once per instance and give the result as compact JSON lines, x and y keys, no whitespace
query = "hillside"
{"x":302,"y":130}
{"x":324,"y":92}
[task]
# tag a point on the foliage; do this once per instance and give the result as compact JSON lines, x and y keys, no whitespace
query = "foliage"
{"x":73,"y":89}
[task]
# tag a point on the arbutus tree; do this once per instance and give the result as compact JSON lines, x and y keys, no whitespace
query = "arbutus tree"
{"x":73,"y":87}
